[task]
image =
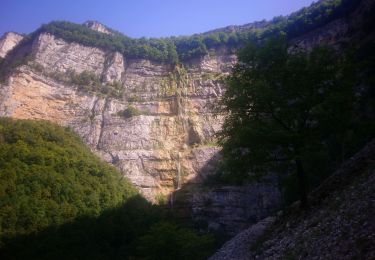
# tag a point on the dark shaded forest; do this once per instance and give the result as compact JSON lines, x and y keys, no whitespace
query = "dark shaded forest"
{"x":59,"y":201}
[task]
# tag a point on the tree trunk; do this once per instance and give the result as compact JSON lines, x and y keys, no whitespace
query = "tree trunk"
{"x":302,"y":181}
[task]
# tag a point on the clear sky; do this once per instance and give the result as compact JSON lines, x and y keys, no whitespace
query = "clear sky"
{"x":149,"y":18}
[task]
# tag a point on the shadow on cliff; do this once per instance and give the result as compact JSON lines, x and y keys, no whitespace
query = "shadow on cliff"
{"x":222,"y":208}
{"x":137,"y":229}
{"x":179,"y":200}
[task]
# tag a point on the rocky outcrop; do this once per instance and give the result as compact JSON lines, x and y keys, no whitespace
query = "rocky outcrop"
{"x":8,"y":41}
{"x":230,"y":209}
{"x":352,"y":29}
{"x":57,"y":55}
{"x":96,"y":26}
{"x":239,"y":246}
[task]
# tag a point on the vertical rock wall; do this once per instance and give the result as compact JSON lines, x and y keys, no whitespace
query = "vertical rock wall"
{"x":160,"y":149}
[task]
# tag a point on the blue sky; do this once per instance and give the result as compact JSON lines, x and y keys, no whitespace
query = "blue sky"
{"x":149,"y":18}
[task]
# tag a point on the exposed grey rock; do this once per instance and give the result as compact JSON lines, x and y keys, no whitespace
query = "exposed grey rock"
{"x":235,"y":208}
{"x":96,"y":26}
{"x":114,"y":68}
{"x":339,"y":227}
{"x":339,"y":224}
{"x":8,"y":41}
{"x":238,"y":247}
{"x":56,"y":54}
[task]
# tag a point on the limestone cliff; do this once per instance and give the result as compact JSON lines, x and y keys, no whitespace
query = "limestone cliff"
{"x":170,"y":140}
{"x":353,"y":29}
{"x":96,"y":26}
{"x":8,"y":41}
{"x":159,"y":150}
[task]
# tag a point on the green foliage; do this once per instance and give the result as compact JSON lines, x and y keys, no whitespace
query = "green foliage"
{"x":190,"y":47}
{"x":134,"y":98}
{"x":288,"y":111}
{"x":20,"y":61}
{"x":154,"y":49}
{"x":14,"y":63}
{"x":161,"y":199}
{"x":168,"y":241}
{"x":176,"y":49}
{"x":131,"y":111}
{"x":48,"y":177}
{"x":86,"y":81}
{"x":136,"y":230}
{"x":59,"y":201}
{"x":308,"y":18}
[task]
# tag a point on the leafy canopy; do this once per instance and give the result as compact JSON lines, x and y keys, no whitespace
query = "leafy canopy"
{"x":285,"y":109}
{"x":59,"y":201}
{"x":49,"y":177}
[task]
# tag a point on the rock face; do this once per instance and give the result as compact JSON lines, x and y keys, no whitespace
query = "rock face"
{"x":8,"y":41}
{"x":355,"y":27}
{"x":231,"y":209}
{"x":239,"y":246}
{"x":165,"y":146}
{"x":340,"y":226}
{"x":96,"y":26}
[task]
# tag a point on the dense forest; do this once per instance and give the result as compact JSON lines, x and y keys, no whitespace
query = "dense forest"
{"x":58,"y":200}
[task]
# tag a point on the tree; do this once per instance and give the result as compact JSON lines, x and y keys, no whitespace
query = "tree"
{"x":284,"y":108}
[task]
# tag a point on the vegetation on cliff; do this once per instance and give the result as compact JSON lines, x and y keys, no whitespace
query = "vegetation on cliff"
{"x":58,"y":200}
{"x":175,"y":49}
{"x":131,"y":111}
{"x":86,"y":81}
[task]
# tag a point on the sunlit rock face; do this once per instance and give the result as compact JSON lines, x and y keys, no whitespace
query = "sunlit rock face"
{"x":96,"y":26}
{"x":8,"y":41}
{"x":164,"y":146}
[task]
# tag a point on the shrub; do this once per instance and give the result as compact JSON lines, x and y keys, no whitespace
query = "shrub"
{"x":131,"y":111}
